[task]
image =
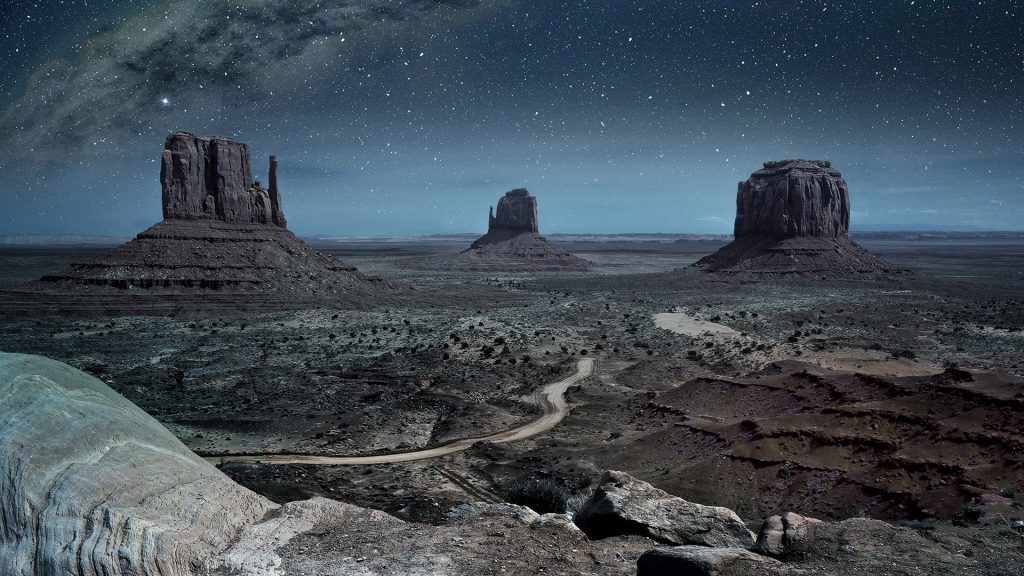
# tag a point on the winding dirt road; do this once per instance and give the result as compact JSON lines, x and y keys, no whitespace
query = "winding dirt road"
{"x":551,"y":399}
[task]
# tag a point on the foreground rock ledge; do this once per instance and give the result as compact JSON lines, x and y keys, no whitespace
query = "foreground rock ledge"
{"x":702,"y":561}
{"x":624,"y":505}
{"x":93,"y":486}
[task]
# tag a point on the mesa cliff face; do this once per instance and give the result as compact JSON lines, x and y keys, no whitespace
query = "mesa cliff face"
{"x":211,"y":179}
{"x":793,"y":198}
{"x":517,"y":211}
{"x":222,"y":230}
{"x":793,"y":217}
{"x":513,"y":242}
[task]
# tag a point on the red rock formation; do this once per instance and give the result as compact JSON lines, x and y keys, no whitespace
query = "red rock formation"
{"x":211,"y":179}
{"x":793,"y":198}
{"x":793,"y":217}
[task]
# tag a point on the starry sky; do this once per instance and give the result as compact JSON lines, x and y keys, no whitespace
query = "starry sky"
{"x":409,"y":117}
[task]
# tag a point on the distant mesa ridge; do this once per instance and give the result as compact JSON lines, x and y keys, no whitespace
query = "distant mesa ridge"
{"x":211,"y":179}
{"x":222,"y":230}
{"x":793,"y":217}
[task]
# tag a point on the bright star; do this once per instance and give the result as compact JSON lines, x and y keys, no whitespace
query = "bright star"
{"x":165,"y":101}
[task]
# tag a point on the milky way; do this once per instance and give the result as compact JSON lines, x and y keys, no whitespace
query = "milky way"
{"x":411,"y":116}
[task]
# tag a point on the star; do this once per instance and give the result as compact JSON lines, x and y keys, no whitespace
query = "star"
{"x":165,"y":101}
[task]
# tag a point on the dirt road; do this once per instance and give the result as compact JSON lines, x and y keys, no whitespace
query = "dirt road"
{"x":551,"y":399}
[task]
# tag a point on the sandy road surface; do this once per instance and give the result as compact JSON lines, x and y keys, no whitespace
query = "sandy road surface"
{"x":551,"y":399}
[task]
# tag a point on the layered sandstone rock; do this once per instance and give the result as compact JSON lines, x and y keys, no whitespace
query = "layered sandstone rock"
{"x":211,"y":179}
{"x":793,"y":217}
{"x":512,"y":244}
{"x":222,"y":230}
{"x":517,"y":214}
{"x":793,"y":198}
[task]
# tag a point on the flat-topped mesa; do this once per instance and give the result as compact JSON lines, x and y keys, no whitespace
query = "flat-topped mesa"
{"x":211,"y":179}
{"x":222,"y":230}
{"x":512,"y":243}
{"x":517,"y":211}
{"x":793,"y":198}
{"x":793,"y":217}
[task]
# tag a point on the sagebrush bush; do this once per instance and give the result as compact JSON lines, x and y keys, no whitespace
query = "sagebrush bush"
{"x":541,"y":496}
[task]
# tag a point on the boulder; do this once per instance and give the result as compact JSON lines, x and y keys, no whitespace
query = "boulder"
{"x":702,"y":561}
{"x":211,"y":179}
{"x":624,"y":505}
{"x":92,"y":485}
{"x":779,"y":534}
{"x":556,"y":523}
{"x":466,"y":512}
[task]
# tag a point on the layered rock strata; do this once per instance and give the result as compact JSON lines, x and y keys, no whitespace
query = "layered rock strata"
{"x":93,"y":485}
{"x":211,"y":179}
{"x":222,"y":230}
{"x":793,"y":217}
{"x":513,"y":242}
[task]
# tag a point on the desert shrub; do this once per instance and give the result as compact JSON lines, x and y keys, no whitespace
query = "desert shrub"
{"x":540,"y":495}
{"x":575,"y":503}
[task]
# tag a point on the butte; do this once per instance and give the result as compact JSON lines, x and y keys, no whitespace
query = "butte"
{"x":512,"y":244}
{"x":222,"y":231}
{"x":793,"y":218}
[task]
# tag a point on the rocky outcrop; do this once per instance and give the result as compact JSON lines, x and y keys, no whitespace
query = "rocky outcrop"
{"x":793,"y":217}
{"x":702,"y":561}
{"x":779,"y":534}
{"x":624,"y":505}
{"x":211,"y":179}
{"x":221,"y":231}
{"x":92,"y":485}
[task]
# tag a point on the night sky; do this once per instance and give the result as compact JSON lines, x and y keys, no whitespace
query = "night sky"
{"x":408,"y":117}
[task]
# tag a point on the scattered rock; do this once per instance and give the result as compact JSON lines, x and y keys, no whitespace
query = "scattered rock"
{"x":793,"y":217}
{"x":556,"y":523}
{"x":780,"y":533}
{"x":465,"y":512}
{"x":624,"y":505}
{"x":702,"y":561}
